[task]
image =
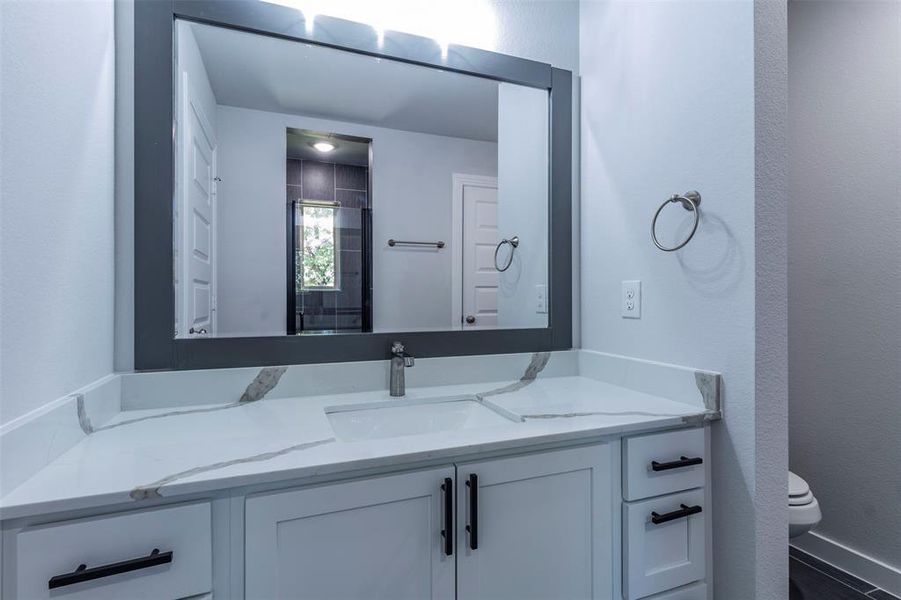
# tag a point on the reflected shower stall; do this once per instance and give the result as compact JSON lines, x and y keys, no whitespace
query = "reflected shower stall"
{"x":329,"y":216}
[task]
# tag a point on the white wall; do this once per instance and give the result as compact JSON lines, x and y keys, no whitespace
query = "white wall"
{"x":411,"y":199}
{"x":523,"y":195}
{"x":845,"y":268}
{"x":56,"y":200}
{"x":668,"y":105}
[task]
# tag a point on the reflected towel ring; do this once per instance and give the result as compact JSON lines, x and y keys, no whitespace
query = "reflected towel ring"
{"x":514,"y":244}
{"x":690,"y":201}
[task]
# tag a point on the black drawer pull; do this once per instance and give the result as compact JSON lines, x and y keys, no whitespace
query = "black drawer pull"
{"x":83,"y":573}
{"x":685,"y":511}
{"x":448,"y":532}
{"x":683,"y":461}
{"x":473,"y":527}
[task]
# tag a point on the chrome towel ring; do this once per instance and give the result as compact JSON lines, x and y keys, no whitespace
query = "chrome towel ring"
{"x":690,"y":201}
{"x":514,"y":244}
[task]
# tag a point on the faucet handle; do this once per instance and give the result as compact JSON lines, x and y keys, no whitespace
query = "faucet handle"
{"x":397,"y":349}
{"x":408,"y":360}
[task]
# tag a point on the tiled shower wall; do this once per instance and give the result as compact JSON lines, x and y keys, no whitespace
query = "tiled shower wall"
{"x":343,"y":309}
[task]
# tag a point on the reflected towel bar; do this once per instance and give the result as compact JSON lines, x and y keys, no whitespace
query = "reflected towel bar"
{"x":392,"y":242}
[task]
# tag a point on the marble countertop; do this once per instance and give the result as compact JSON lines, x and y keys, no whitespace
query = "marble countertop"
{"x":166,"y":452}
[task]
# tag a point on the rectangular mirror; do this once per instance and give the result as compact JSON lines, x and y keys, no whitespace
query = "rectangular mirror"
{"x":320,"y":191}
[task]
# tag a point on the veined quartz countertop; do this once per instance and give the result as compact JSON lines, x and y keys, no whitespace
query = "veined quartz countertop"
{"x":163,"y":452}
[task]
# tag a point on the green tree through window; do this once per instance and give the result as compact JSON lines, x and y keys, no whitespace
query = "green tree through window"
{"x":316,"y":257}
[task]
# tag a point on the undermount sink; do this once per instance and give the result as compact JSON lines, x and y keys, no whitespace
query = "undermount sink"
{"x":396,"y":418}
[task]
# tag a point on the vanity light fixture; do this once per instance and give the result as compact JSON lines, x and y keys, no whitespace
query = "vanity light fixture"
{"x":324,"y":146}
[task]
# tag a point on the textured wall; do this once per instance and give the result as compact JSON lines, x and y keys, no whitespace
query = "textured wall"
{"x":845,"y":268}
{"x":771,"y":296}
{"x":56,"y":201}
{"x":668,"y":105}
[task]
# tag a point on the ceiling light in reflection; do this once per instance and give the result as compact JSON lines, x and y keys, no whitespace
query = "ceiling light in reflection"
{"x":324,"y":146}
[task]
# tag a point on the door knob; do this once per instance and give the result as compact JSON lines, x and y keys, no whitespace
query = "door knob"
{"x":470,"y":319}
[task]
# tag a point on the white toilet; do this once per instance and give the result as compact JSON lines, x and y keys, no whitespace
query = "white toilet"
{"x":803,"y":508}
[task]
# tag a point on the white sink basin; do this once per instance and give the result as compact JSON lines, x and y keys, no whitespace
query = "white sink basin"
{"x":395,"y":418}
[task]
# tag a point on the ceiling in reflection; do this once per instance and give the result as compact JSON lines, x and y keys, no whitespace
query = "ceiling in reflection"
{"x":276,"y":75}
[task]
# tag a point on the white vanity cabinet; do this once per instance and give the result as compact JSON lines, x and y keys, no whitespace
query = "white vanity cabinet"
{"x":536,"y":526}
{"x":162,"y":553}
{"x":665,"y":515}
{"x":370,"y":538}
{"x":532,"y":526}
{"x":619,"y":519}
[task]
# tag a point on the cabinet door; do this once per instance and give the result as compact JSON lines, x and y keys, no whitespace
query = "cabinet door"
{"x":373,"y":538}
{"x":542,"y":524}
{"x":664,"y":542}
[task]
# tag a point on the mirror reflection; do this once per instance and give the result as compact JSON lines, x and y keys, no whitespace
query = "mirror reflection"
{"x":320,"y":191}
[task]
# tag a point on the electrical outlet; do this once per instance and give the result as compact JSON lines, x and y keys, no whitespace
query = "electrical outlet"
{"x":631,"y":300}
{"x":541,"y":299}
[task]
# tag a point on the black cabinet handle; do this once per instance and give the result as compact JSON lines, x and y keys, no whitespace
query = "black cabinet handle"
{"x":685,"y":511}
{"x":684,"y":461}
{"x":83,"y":573}
{"x":473,"y":527}
{"x":448,"y":532}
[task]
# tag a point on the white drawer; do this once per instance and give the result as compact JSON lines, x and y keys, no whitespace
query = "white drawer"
{"x":48,"y":551}
{"x":654,"y":464}
{"x":695,"y":591}
{"x":664,"y":555}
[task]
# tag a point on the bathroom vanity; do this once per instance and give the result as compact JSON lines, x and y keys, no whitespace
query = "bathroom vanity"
{"x":577,"y":479}
{"x":313,"y":192}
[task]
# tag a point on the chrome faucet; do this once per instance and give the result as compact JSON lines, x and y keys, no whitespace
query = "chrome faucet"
{"x":399,"y":361}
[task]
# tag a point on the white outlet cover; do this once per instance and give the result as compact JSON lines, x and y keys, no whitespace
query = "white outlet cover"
{"x":541,"y":299}
{"x":631,"y":300}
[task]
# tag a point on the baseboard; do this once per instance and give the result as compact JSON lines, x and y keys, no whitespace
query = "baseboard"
{"x":880,"y":574}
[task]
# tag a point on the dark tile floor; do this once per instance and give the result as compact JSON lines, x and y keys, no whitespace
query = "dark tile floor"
{"x":812,"y":579}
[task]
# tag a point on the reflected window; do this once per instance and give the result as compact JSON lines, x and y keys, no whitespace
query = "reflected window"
{"x":317,"y":255}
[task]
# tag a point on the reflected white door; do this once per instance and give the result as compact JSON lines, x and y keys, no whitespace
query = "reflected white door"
{"x":480,"y":237}
{"x":197,"y":215}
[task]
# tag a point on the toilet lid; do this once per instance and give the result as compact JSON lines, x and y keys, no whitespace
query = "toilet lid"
{"x":797,"y":487}
{"x":800,"y":500}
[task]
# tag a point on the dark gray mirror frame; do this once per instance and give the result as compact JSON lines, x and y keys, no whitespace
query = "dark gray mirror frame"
{"x":155,"y":345}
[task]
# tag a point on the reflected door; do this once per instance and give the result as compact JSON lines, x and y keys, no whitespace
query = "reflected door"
{"x":197,"y":220}
{"x":480,"y":237}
